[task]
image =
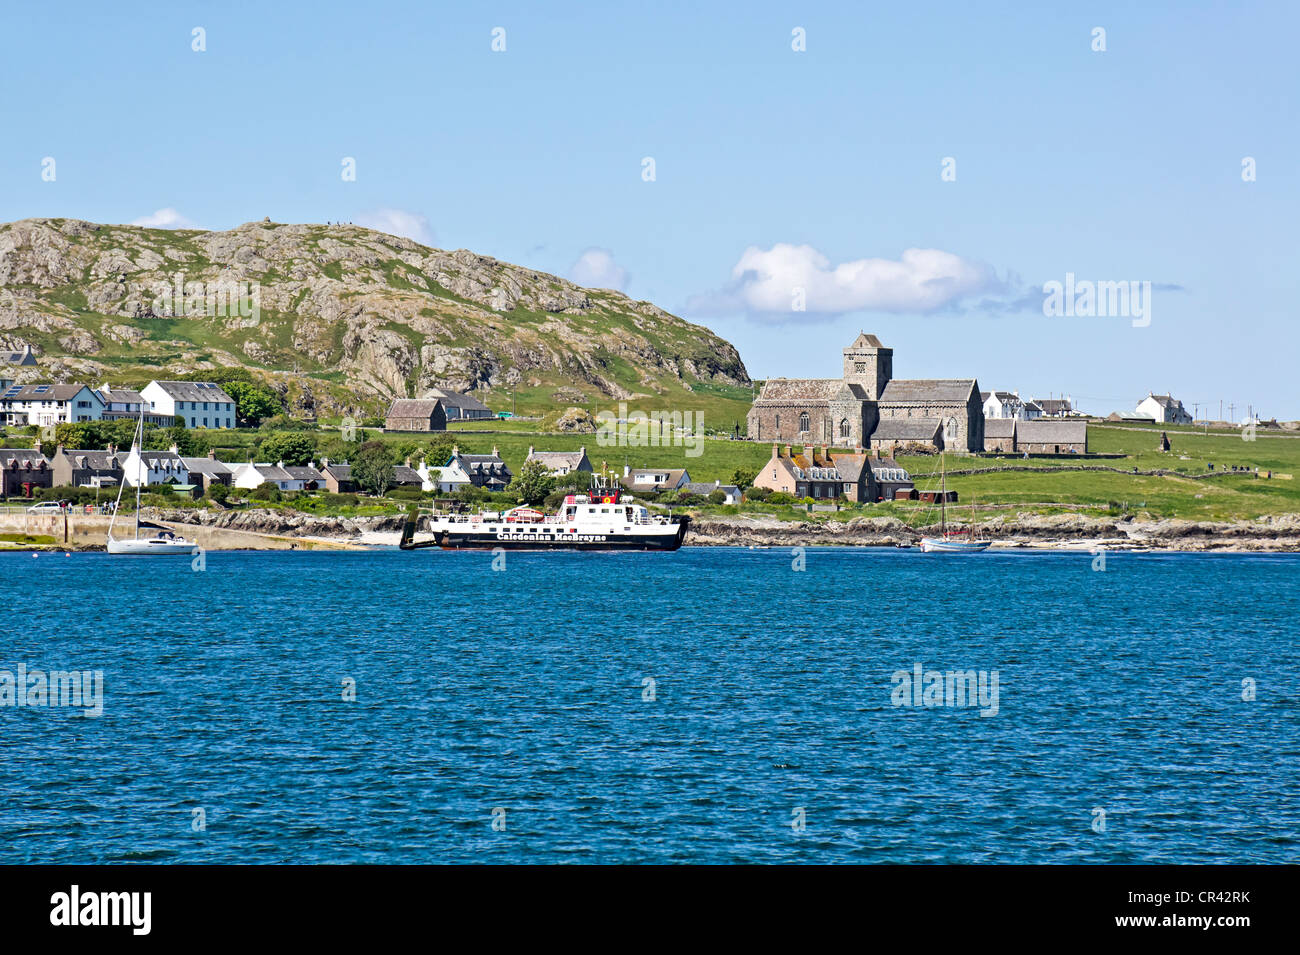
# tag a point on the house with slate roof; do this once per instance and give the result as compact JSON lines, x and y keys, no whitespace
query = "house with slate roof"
{"x":154,"y":467}
{"x":731,"y":493}
{"x":23,"y":470}
{"x":1040,"y":436}
{"x":24,"y":358}
{"x":338,"y":476}
{"x":648,"y":480}
{"x":77,"y":468}
{"x":480,"y":470}
{"x":1164,"y":409}
{"x":459,"y":407}
{"x":561,"y":463}
{"x":202,"y":404}
{"x":209,"y":471}
{"x":416,"y":414}
{"x":251,"y":475}
{"x":47,"y":404}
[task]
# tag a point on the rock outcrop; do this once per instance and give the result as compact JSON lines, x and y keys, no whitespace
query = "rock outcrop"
{"x":368,"y":316}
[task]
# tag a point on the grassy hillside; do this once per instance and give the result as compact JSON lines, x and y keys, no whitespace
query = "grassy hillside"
{"x":346,"y":319}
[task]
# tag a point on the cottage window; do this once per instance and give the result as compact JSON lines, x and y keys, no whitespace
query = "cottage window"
{"x":778,"y":424}
{"x":803,"y":421}
{"x":844,"y":427}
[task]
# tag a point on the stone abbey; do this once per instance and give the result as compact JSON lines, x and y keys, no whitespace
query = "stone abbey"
{"x":869,"y":407}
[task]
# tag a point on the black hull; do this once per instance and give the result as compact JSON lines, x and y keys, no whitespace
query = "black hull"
{"x":661,"y":542}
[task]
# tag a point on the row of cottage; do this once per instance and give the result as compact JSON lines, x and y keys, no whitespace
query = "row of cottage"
{"x":25,"y":470}
{"x":201,"y":404}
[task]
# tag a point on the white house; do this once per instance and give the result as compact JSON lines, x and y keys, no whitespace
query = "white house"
{"x":1164,"y":409}
{"x":655,"y":479}
{"x":44,"y":405}
{"x":154,"y":467}
{"x":126,"y":403}
{"x":1055,"y":407}
{"x":1004,"y":404}
{"x":448,"y":478}
{"x":201,"y":403}
{"x":249,"y":476}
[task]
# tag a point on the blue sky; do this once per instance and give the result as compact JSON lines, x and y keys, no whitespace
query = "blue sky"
{"x":818,"y":168}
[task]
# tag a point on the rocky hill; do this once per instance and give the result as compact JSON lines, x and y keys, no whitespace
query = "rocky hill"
{"x":341,"y":319}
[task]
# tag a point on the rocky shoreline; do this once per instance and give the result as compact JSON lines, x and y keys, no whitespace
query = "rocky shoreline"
{"x":1274,"y":533}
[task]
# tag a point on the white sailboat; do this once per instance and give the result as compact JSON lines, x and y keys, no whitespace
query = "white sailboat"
{"x":160,"y":542}
{"x":954,"y":541}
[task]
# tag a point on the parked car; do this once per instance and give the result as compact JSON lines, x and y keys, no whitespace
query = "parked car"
{"x":45,"y":507}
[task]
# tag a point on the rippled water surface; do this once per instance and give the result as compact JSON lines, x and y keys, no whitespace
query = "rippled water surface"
{"x":525,"y":690}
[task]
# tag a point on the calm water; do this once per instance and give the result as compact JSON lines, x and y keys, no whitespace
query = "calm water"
{"x":523,"y":690}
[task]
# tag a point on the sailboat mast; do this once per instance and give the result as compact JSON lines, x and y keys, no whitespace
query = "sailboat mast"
{"x":943,"y":496}
{"x":139,"y":479}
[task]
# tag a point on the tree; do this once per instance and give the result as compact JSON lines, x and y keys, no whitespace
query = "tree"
{"x":218,"y":492}
{"x":743,"y":477}
{"x":372,"y":468}
{"x":293,"y":449}
{"x":532,"y":483}
{"x":252,"y":402}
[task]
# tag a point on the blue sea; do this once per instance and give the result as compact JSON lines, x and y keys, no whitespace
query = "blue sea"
{"x":712,"y":705}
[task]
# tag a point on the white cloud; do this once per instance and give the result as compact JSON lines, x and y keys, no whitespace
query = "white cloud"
{"x":596,"y":268}
{"x":411,"y":225}
{"x":766,"y":283}
{"x":167,"y":218}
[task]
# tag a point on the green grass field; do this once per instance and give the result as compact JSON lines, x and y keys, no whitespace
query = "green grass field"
{"x":1002,"y":486}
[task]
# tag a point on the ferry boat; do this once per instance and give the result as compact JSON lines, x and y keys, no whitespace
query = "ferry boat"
{"x":600,"y":520}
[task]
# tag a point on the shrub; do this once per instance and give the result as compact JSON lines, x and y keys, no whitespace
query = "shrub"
{"x":218,"y":492}
{"x":266,"y":491}
{"x":779,"y":497}
{"x":758,"y":494}
{"x":717,"y":497}
{"x":340,"y":500}
{"x":405,"y":494}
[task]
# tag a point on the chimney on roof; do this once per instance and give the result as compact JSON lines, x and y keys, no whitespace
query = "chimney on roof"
{"x":857,"y":448}
{"x":494,"y":450}
{"x":280,"y":463}
{"x":324,"y":462}
{"x":455,"y":450}
{"x":530,"y":450}
{"x":175,"y":448}
{"x":786,"y":453}
{"x":626,"y":470}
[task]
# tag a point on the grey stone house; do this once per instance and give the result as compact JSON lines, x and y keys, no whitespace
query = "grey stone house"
{"x":416,"y":414}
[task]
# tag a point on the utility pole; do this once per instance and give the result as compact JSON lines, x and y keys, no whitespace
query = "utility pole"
{"x":1231,"y":418}
{"x":1220,"y":409}
{"x":1196,"y":411}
